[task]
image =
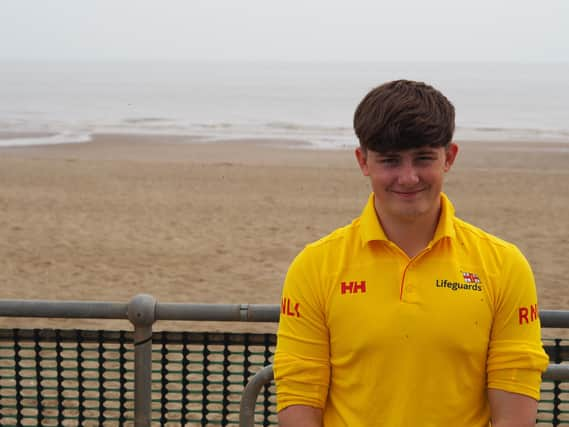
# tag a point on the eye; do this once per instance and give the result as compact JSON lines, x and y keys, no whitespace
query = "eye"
{"x":426,"y":158}
{"x":389,"y":161}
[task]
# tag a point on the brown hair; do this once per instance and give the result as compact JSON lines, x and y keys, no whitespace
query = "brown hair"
{"x":404,"y":114}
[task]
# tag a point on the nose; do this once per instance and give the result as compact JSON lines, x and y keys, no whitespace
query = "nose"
{"x":408,"y":175}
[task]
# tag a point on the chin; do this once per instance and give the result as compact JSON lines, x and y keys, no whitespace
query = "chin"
{"x":412,"y":212}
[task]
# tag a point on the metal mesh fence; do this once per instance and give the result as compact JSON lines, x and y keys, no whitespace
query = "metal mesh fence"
{"x":61,"y":378}
{"x":553,"y":407}
{"x":198,"y":378}
{"x":86,"y":378}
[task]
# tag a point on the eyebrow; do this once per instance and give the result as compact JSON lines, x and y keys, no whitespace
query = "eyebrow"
{"x":419,"y":151}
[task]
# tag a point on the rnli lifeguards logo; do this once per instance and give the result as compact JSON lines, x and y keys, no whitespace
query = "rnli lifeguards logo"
{"x":470,"y":277}
{"x":471,"y":282}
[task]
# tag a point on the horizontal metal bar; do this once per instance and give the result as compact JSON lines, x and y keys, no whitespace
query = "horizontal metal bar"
{"x":213,"y":312}
{"x":271,"y":312}
{"x":180,"y":311}
{"x":117,"y":310}
{"x":218,"y":312}
{"x":556,"y":373}
{"x":554,"y":318}
{"x":264,"y":313}
{"x":63,"y":309}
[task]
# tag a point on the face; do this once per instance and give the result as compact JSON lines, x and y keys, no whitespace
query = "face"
{"x":407,"y":184}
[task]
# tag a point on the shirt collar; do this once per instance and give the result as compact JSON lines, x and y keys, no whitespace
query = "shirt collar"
{"x":445,"y":227}
{"x":371,"y":228}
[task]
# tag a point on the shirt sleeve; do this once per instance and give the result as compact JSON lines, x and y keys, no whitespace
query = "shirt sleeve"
{"x":516,"y":358}
{"x":302,"y":364}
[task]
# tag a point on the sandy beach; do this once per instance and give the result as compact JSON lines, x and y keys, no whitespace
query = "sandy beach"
{"x":188,"y":221}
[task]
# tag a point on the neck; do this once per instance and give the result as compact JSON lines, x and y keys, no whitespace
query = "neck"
{"x":411,"y":234}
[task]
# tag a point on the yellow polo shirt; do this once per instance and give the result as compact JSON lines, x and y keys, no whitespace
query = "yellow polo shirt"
{"x":376,"y":338}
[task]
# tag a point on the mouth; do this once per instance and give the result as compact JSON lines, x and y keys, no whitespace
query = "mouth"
{"x":407,"y":194}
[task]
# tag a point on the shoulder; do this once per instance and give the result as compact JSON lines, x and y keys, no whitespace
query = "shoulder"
{"x":337,"y":239}
{"x":490,"y":248}
{"x":307,"y":275}
{"x":475,"y":235}
{"x":326,"y":252}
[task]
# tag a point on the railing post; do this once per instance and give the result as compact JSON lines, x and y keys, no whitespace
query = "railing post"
{"x":141,"y":313}
{"x":250,"y":393}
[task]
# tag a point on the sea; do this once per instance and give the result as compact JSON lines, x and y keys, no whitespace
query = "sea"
{"x":69,"y":102}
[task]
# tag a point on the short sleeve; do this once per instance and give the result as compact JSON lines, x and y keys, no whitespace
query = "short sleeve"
{"x":516,"y":358}
{"x":302,"y":363}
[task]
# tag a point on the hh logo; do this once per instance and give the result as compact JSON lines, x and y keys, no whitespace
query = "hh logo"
{"x":527,"y":314}
{"x":354,"y":287}
{"x":288,"y":308}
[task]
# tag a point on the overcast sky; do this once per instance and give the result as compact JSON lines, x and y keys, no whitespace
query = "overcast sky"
{"x":298,"y":30}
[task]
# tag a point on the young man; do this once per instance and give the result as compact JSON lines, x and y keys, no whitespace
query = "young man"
{"x":408,"y":316}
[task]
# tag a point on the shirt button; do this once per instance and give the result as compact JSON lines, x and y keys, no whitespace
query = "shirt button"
{"x":410,"y":287}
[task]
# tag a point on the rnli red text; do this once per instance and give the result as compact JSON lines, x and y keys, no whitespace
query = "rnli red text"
{"x":290,"y":309}
{"x":528,"y":314}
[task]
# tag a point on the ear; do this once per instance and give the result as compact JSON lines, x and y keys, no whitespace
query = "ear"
{"x":361,"y":157}
{"x":450,"y":155}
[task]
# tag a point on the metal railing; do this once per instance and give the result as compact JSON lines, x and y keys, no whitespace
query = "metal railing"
{"x":143,"y":311}
{"x":249,"y":397}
